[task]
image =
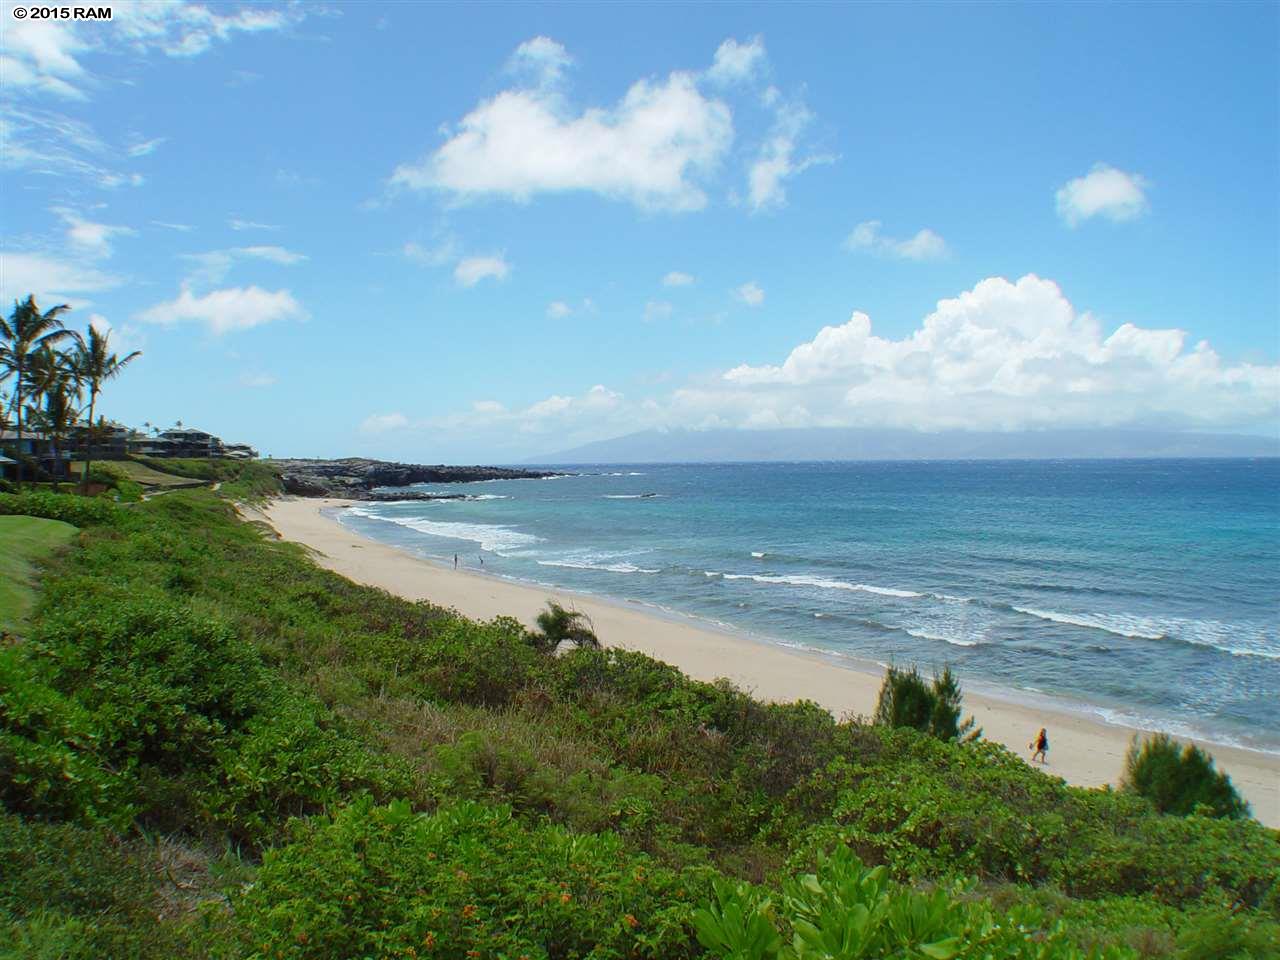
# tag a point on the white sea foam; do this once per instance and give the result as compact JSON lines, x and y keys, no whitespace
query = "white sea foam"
{"x":926,"y":635}
{"x":1139,"y":628}
{"x":822,"y":583}
{"x":490,"y":536}
{"x":489,"y":496}
{"x":610,"y":567}
{"x":1239,"y":640}
{"x":1177,"y":728}
{"x":758,"y":554}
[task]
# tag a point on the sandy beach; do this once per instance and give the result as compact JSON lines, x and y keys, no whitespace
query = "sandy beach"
{"x":1083,"y":751}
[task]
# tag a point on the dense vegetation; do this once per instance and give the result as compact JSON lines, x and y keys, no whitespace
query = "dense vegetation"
{"x":1180,"y":779}
{"x":211,"y":747}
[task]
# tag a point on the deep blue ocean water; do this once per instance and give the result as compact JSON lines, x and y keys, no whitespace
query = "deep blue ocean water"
{"x":1146,"y":592}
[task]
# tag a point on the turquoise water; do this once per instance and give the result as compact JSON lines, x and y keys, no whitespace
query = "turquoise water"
{"x":1146,"y":592}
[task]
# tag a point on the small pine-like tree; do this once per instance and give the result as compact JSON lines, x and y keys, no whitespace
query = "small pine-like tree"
{"x":1180,"y":779}
{"x":906,"y":700}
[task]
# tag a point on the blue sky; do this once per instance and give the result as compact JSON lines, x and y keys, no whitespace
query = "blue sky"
{"x":441,"y":232}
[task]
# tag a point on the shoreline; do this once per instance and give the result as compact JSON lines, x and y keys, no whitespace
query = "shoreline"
{"x":1083,"y":750}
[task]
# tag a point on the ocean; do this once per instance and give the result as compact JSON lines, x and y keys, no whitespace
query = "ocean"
{"x":1143,"y":592}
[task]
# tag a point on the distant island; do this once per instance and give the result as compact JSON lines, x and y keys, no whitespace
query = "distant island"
{"x":837,"y":443}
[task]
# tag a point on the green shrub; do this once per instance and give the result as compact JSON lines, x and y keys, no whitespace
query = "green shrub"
{"x":1218,"y":935}
{"x":1179,"y":779}
{"x":163,"y":683}
{"x":49,"y":766}
{"x":295,"y":759}
{"x":69,"y":508}
{"x":68,"y":891}
{"x":848,"y":911}
{"x":383,"y":881}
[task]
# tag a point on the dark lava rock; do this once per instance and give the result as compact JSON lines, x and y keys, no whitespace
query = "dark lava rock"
{"x":356,"y":478}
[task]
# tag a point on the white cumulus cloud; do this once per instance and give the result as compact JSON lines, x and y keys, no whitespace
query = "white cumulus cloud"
{"x":651,"y":148}
{"x":750,"y":293}
{"x":737,"y":62}
{"x":542,"y":58}
{"x":213,"y":266}
{"x":677,"y":279}
{"x":558,"y":309}
{"x":49,"y":278}
{"x":1103,"y":192}
{"x":472,"y":270}
{"x":777,"y":160}
{"x":925,"y":245}
{"x":1004,"y":356}
{"x":228,"y":310}
{"x":89,"y":238}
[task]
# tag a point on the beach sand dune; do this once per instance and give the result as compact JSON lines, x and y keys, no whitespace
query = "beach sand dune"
{"x":1083,"y":751}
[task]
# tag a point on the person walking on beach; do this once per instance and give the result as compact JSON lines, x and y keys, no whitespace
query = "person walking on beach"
{"x":1041,"y":745}
{"x":455,"y":561}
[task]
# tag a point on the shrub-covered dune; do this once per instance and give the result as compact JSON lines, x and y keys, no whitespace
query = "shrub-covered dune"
{"x":209,"y":746}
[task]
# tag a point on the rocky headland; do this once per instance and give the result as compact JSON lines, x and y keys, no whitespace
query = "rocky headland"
{"x":355,"y":478}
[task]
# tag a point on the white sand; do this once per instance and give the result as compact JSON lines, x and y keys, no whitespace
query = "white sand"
{"x":1083,"y":751}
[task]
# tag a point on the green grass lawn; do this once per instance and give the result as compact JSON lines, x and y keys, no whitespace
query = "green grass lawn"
{"x":23,"y":541}
{"x":139,"y":473}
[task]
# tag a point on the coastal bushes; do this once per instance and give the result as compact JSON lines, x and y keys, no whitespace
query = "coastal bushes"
{"x":468,"y":880}
{"x":1180,"y":779}
{"x":847,"y":910}
{"x":194,"y":683}
{"x":69,"y":508}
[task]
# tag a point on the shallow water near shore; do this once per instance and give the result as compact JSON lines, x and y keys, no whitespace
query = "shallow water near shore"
{"x":1146,"y":591}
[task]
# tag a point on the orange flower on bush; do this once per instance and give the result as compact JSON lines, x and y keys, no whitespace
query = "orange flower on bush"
{"x":469,"y":911}
{"x":632,"y":922}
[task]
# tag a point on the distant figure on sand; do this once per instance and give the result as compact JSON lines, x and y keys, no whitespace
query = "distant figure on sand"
{"x":455,"y":561}
{"x":1041,"y":745}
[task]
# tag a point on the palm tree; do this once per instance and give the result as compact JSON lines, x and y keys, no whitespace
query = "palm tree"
{"x":53,"y":379}
{"x":94,"y":365}
{"x":22,"y":334}
{"x":558,"y":624}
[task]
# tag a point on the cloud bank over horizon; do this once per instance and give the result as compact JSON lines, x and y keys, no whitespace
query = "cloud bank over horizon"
{"x":1002,"y":356}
